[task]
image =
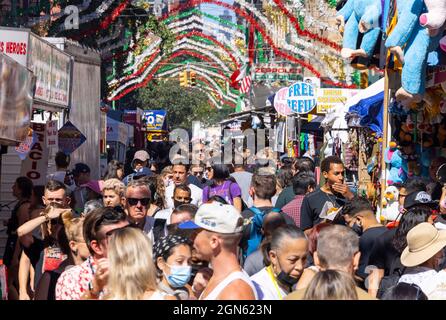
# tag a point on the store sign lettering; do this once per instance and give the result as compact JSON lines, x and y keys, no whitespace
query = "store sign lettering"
{"x":301,"y":97}
{"x":35,"y":164}
{"x":13,"y":47}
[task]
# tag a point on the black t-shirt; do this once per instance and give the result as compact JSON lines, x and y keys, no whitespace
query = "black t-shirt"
{"x":313,"y":204}
{"x":383,"y":254}
{"x":366,"y":243}
{"x":246,"y":214}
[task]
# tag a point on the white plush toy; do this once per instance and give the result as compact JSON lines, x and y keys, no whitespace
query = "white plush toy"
{"x":390,"y":204}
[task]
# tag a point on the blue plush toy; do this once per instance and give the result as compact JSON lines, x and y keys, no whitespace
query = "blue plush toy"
{"x":361,"y":16}
{"x":397,"y":166}
{"x":408,"y":33}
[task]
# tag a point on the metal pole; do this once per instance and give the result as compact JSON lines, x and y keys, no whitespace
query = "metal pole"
{"x":385,"y":136}
{"x":298,"y":133}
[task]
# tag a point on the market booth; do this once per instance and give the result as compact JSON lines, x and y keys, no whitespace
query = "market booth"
{"x":50,"y":103}
{"x":119,"y":136}
{"x":16,"y":92}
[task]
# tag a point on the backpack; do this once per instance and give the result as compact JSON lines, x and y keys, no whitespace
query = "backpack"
{"x":255,"y":230}
{"x":392,"y":279}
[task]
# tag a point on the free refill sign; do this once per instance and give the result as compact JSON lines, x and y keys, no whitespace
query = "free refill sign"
{"x":301,"y":97}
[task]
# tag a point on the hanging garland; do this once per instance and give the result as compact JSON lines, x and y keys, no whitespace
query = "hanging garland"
{"x":105,"y":23}
{"x":305,"y":33}
{"x":213,"y":40}
{"x":151,"y":71}
{"x":268,"y":39}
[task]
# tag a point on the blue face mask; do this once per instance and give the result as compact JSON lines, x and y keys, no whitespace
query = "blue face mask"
{"x":179,"y":276}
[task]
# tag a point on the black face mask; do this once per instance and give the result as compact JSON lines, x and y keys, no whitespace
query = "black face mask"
{"x":177,"y":203}
{"x":357,"y":229}
{"x":286,"y":279}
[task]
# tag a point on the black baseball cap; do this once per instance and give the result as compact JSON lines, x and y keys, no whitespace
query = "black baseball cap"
{"x":419,"y":198}
{"x":80,"y":168}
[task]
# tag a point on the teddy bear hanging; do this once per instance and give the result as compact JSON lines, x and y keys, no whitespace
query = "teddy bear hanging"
{"x":410,"y":43}
{"x":435,"y":19}
{"x":359,"y":16}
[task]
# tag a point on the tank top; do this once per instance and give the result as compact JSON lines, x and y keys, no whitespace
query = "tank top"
{"x":236,"y":275}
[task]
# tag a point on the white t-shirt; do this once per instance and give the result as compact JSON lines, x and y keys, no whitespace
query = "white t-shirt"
{"x":196,"y":195}
{"x":164,"y":214}
{"x":266,"y":290}
{"x":438,"y":289}
{"x":423,"y":277}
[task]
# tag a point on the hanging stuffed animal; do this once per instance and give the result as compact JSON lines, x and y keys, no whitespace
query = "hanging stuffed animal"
{"x":406,"y":130}
{"x":396,"y":165}
{"x":390,"y":204}
{"x":435,"y":19}
{"x":411,"y":157}
{"x":417,"y":43}
{"x":360,"y":16}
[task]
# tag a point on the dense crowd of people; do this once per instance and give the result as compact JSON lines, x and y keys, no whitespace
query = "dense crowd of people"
{"x":218,"y":232}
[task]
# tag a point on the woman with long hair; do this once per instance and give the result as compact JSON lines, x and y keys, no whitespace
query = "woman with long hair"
{"x":331,"y":285}
{"x":72,"y":244}
{"x":131,"y":272}
{"x":223,"y":185}
{"x":115,"y":170}
{"x":388,"y":248}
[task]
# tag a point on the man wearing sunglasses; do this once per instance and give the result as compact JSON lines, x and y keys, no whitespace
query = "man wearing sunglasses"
{"x":137,"y":202}
{"x":79,"y":282}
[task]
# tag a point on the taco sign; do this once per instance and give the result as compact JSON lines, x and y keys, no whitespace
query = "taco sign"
{"x":301,"y":97}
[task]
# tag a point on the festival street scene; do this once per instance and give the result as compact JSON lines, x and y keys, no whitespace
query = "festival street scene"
{"x":223,"y":150}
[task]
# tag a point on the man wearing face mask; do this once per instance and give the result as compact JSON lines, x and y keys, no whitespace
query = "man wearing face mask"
{"x":181,"y":195}
{"x":172,"y":255}
{"x":359,"y":215}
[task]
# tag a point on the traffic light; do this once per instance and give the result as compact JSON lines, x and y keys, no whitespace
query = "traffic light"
{"x":193,"y":79}
{"x":183,"y":79}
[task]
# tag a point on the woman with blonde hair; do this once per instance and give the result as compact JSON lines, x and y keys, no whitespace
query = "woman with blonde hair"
{"x":131,"y":273}
{"x":71,"y":241}
{"x":113,"y":192}
{"x":331,"y":285}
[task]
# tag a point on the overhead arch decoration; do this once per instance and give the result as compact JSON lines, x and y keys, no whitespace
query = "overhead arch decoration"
{"x":270,"y":31}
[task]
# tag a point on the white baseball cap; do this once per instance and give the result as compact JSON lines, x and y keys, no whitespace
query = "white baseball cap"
{"x":216,"y":217}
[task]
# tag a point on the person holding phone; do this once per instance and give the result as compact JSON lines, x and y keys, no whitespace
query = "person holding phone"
{"x":332,"y":194}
